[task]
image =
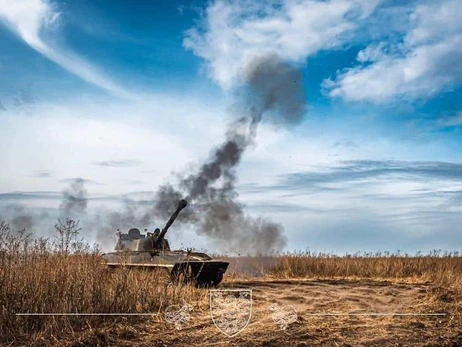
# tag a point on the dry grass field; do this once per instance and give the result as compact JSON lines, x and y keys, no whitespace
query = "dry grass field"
{"x":332,"y":298}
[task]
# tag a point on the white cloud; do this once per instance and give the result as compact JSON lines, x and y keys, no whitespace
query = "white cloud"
{"x":451,"y":121}
{"x":29,"y":19}
{"x":234,"y":32}
{"x":162,"y":133}
{"x":371,"y":53}
{"x":426,"y":62}
{"x":166,"y":133}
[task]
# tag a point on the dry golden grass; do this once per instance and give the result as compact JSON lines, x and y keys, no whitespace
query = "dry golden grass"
{"x":442,"y":268}
{"x":67,"y":276}
{"x":40,"y":276}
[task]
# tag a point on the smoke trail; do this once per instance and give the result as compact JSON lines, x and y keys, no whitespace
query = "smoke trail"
{"x":20,"y":217}
{"x":75,"y":201}
{"x":73,"y":205}
{"x":273,"y":92}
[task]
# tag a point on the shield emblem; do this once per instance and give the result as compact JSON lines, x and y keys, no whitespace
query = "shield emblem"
{"x":231,"y":309}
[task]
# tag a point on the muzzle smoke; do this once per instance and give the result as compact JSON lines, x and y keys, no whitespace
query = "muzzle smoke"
{"x":75,"y":199}
{"x":273,"y":92}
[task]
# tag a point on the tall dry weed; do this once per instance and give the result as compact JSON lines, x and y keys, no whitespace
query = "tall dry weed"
{"x":56,"y":276}
{"x":67,"y":275}
{"x":438,"y":267}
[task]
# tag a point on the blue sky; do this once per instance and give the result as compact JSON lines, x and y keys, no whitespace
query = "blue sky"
{"x":123,"y":94}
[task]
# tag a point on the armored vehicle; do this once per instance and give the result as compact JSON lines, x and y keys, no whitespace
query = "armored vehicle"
{"x":152,"y":251}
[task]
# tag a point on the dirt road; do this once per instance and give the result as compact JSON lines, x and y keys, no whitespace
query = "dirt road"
{"x":327,"y":312}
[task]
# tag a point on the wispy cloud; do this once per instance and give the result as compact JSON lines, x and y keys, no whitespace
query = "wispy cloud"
{"x":451,"y":121}
{"x":357,"y":170}
{"x":376,"y":181}
{"x":85,"y":181}
{"x":30,"y":196}
{"x":282,"y":207}
{"x":233,"y":33}
{"x":29,"y":19}
{"x":344,"y":143}
{"x":378,"y":204}
{"x":118,"y":163}
{"x":42,"y":174}
{"x":425,"y":62}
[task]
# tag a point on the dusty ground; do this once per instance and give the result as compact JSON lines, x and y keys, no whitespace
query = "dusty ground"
{"x":319,"y":297}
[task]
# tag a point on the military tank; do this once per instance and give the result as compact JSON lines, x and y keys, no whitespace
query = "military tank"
{"x":152,"y":251}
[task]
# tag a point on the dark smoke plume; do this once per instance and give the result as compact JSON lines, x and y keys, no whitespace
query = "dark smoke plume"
{"x":19,"y":217}
{"x":73,"y":205}
{"x":75,"y":199}
{"x":274,"y":93}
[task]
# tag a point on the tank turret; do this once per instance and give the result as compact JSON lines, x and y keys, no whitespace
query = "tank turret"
{"x":135,"y":241}
{"x":151,"y":251}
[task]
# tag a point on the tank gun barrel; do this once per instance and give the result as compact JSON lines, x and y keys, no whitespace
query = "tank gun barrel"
{"x":181,"y":205}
